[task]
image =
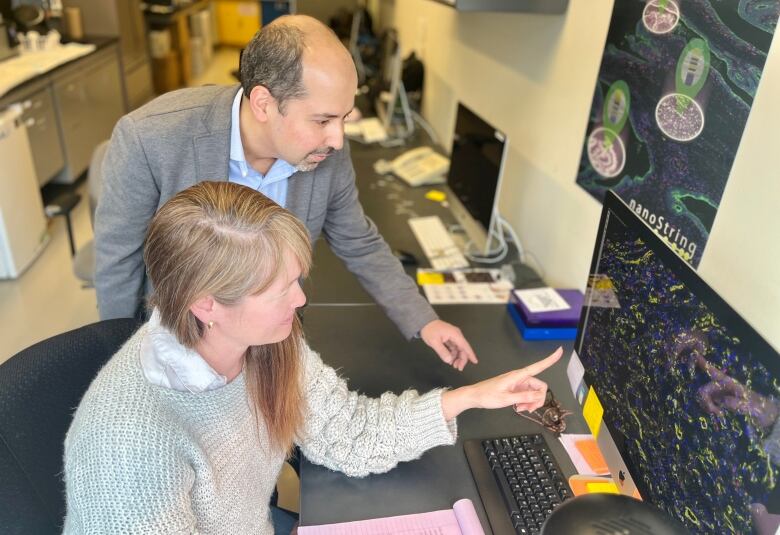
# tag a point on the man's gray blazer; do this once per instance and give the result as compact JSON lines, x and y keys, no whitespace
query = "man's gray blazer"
{"x":182,"y":138}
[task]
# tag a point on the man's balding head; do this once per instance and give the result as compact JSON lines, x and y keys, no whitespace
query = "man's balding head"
{"x":277,"y":55}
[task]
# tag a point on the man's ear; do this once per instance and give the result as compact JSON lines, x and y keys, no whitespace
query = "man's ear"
{"x":203,"y":309}
{"x":260,"y":102}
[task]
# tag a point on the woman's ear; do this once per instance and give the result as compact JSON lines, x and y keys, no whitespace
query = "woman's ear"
{"x":260,"y":100}
{"x":203,"y":309}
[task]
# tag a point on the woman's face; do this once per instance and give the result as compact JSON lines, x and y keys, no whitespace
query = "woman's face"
{"x":267,"y":317}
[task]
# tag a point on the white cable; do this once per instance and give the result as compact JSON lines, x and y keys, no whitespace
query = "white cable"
{"x":426,"y":126}
{"x":498,"y":254}
{"x":493,"y":256}
{"x":520,"y":251}
{"x":486,"y":258}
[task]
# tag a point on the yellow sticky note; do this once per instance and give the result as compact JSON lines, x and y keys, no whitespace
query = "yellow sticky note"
{"x":592,"y":411}
{"x":436,"y":195}
{"x":604,"y":488}
{"x":427,"y":277}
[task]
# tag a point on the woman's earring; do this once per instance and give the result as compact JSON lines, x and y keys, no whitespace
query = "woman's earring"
{"x":211,"y":324}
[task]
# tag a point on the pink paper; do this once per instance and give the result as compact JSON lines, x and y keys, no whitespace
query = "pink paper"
{"x":460,"y":520}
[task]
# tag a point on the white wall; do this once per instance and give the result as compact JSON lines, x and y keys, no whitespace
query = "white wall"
{"x":533,"y":77}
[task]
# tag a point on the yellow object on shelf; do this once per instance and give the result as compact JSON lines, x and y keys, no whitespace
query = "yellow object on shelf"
{"x":237,"y":21}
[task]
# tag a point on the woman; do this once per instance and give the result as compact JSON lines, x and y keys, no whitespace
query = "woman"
{"x":187,"y":426}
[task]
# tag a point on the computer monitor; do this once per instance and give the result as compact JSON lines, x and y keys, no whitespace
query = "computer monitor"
{"x":476,"y":167}
{"x":690,"y":392}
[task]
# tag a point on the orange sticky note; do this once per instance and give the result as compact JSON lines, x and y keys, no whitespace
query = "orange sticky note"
{"x":592,"y":454}
{"x":604,"y":488}
{"x":593,"y":412}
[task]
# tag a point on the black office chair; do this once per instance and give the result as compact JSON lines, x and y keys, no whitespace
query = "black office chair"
{"x":40,"y":388}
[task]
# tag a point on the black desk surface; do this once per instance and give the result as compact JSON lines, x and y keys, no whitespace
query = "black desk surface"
{"x":353,"y":334}
{"x":389,"y":203}
{"x":368,"y":350}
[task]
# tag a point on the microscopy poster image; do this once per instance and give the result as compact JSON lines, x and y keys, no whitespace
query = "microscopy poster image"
{"x":674,"y":91}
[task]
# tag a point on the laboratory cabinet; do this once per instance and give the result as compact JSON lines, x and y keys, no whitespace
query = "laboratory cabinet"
{"x":89,"y":101}
{"x":40,"y":117}
{"x":68,"y":111}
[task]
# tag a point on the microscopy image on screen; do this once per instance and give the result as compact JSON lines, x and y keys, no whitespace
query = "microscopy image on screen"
{"x":686,"y":392}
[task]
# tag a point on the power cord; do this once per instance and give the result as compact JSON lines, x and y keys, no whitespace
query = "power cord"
{"x":426,"y":126}
{"x":498,"y":253}
{"x":493,"y":255}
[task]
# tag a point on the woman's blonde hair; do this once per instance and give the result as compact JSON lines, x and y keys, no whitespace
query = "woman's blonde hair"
{"x":228,"y":241}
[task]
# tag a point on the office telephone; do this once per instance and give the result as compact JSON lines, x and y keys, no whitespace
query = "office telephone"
{"x":417,"y":167}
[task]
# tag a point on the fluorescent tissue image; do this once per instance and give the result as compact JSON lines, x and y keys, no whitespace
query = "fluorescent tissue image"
{"x":692,"y":404}
{"x":676,"y":150}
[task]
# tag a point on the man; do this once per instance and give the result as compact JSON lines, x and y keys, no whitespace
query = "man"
{"x":281,"y":133}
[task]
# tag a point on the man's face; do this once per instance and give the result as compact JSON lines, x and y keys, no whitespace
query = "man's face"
{"x":312,"y":127}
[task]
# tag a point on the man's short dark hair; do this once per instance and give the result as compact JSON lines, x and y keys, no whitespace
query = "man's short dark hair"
{"x":274,"y":59}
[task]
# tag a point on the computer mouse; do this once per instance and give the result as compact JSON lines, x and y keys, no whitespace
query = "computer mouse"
{"x":406,"y":258}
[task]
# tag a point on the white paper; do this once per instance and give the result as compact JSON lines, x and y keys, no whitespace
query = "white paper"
{"x":352,"y":129}
{"x":575,"y":371}
{"x":475,"y":292}
{"x":462,"y":519}
{"x":542,"y":300}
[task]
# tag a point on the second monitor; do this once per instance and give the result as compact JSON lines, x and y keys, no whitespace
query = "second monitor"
{"x":476,"y":167}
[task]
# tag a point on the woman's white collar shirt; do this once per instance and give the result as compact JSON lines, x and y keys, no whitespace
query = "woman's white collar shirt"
{"x":167,"y":363}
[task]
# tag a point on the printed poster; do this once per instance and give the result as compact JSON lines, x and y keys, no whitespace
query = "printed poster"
{"x":674,"y":92}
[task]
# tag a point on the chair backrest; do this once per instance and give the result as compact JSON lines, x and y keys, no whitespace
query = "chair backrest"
{"x":95,"y":178}
{"x":40,"y":388}
{"x":84,"y":261}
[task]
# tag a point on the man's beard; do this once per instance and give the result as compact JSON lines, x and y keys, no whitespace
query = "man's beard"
{"x":308,"y":165}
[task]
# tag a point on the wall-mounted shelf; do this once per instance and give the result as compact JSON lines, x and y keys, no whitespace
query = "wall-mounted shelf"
{"x":548,"y":7}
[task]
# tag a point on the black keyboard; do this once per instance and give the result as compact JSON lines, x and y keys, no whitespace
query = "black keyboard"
{"x":519,"y":481}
